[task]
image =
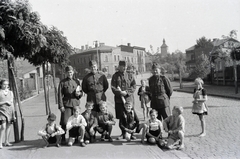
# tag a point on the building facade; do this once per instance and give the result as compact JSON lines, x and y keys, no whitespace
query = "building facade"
{"x":108,"y":58}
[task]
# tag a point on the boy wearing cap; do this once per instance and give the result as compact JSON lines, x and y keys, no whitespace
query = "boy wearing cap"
{"x":123,"y":86}
{"x":129,"y":122}
{"x":91,"y":120}
{"x":68,"y":97}
{"x":51,"y":133}
{"x":95,"y":85}
{"x":174,"y":125}
{"x":105,"y":122}
{"x":161,"y":91}
{"x":76,"y":126}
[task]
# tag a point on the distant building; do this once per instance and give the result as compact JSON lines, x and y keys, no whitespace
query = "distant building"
{"x":108,"y":58}
{"x":164,"y":48}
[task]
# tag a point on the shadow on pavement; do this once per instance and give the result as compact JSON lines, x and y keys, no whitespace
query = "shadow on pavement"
{"x":26,"y":145}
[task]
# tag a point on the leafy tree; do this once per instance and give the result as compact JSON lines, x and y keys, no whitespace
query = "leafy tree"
{"x":22,"y":35}
{"x":202,"y":68}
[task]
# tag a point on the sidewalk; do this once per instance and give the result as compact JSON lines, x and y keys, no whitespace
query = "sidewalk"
{"x":212,"y":90}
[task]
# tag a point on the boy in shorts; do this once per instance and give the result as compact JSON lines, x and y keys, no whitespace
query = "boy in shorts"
{"x":51,"y":132}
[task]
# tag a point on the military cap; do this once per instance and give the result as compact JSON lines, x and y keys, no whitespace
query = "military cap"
{"x":51,"y":117}
{"x":69,"y":68}
{"x":92,"y":62}
{"x":122,"y":63}
{"x":155,"y":65}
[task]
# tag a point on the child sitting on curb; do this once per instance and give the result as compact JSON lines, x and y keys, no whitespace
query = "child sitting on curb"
{"x":154,"y":129}
{"x":105,"y":122}
{"x":129,"y":122}
{"x":174,"y":125}
{"x":91,"y":120}
{"x":76,"y":126}
{"x":51,"y":132}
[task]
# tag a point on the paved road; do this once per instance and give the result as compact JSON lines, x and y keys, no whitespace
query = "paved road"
{"x":222,"y":140}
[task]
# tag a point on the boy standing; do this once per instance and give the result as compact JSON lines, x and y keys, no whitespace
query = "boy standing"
{"x":144,"y":97}
{"x":174,"y":125}
{"x":91,"y":120}
{"x":105,"y":122}
{"x":76,"y":126}
{"x":51,"y":133}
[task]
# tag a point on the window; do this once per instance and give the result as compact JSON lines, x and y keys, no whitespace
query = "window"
{"x":115,"y":58}
{"x":118,"y":58}
{"x":132,"y":59}
{"x":106,"y":58}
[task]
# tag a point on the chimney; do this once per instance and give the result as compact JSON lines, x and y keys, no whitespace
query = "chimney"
{"x":86,"y":47}
{"x":82,"y":47}
{"x":129,"y":44}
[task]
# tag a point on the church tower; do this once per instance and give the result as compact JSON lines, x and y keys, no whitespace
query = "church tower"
{"x":164,"y":48}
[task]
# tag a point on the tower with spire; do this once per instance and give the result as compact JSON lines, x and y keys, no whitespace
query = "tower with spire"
{"x":164,"y":48}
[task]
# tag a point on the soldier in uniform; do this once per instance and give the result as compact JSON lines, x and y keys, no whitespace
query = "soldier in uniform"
{"x":123,"y":86}
{"x":161,"y":90}
{"x":68,"y":97}
{"x":95,"y":85}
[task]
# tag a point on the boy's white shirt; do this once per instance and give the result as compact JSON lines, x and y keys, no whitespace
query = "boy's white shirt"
{"x":75,"y":120}
{"x":43,"y":132}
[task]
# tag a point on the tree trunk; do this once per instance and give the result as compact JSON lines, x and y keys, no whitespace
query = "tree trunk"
{"x":48,"y":85}
{"x":11,"y":83}
{"x":235,"y":76}
{"x":180,"y":78}
{"x":224,"y":79}
{"x":44,"y":88}
{"x":54,"y":83}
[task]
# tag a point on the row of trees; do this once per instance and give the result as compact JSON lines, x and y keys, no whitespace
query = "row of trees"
{"x":22,"y":35}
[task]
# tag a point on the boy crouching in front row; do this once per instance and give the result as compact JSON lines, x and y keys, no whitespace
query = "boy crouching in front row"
{"x":91,"y":120}
{"x":105,"y":122}
{"x":129,"y":122}
{"x":174,"y":125}
{"x":51,"y":133}
{"x":76,"y":126}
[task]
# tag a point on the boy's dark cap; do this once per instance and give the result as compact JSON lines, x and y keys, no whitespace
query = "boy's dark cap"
{"x":92,"y":62}
{"x":122,"y":63}
{"x":52,"y":117}
{"x":69,"y":68}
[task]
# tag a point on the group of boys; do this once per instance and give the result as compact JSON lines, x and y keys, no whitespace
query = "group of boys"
{"x":96,"y":118}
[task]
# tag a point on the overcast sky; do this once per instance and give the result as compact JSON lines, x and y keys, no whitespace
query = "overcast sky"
{"x":140,"y":22}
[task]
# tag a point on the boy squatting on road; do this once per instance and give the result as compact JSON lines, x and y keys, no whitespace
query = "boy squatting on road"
{"x":51,"y":132}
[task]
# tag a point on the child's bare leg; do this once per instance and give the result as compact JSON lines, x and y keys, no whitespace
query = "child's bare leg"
{"x":58,"y":137}
{"x":181,"y":136}
{"x":203,"y":133}
{"x":45,"y":138}
{"x":144,"y":127}
{"x":143,"y":108}
{"x":147,"y":112}
{"x":81,"y":132}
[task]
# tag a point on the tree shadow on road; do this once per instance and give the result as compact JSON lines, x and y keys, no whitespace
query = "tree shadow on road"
{"x":27,"y":145}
